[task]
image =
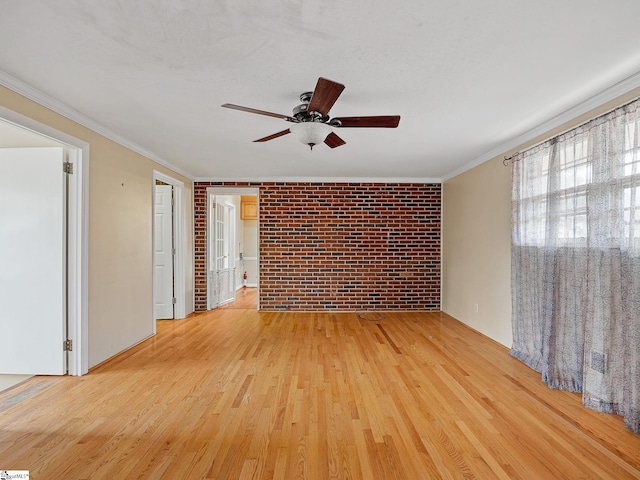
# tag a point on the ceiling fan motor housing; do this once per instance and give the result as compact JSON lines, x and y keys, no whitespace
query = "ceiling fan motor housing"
{"x":301,"y":114}
{"x":306,"y":97}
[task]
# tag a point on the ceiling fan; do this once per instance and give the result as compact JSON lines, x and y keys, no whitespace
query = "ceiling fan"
{"x":311,"y":122}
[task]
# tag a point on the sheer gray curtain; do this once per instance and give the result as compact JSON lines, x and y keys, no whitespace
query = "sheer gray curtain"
{"x":576,"y":262}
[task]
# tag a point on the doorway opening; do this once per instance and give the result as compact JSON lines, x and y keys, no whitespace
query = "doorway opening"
{"x":232,"y":248}
{"x":64,"y":235}
{"x":168,"y":248}
{"x":163,"y":253}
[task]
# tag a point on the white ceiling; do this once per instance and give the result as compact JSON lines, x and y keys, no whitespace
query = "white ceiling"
{"x":467,"y":77}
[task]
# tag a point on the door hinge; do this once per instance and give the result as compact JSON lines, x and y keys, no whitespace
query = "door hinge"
{"x":67,"y":346}
{"x":173,"y":251}
{"x":174,"y":300}
{"x":67,"y":167}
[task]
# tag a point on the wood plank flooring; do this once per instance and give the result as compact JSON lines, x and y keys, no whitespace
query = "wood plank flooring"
{"x":8,"y":381}
{"x":243,"y":394}
{"x":246,"y":298}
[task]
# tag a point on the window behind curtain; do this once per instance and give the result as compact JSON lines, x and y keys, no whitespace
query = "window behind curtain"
{"x":555,"y":206}
{"x":576,"y":261}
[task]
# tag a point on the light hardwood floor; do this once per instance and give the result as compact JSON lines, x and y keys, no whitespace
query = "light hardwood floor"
{"x":8,"y":381}
{"x":276,"y":395}
{"x":245,"y":298}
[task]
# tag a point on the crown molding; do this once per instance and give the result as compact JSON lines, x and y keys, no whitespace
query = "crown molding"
{"x":611,"y":93}
{"x":45,"y":100}
{"x":319,"y":179}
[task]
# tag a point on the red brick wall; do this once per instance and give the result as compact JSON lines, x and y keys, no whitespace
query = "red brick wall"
{"x":340,"y":245}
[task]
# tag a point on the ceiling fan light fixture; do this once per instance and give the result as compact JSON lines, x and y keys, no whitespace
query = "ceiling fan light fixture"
{"x":310,"y":133}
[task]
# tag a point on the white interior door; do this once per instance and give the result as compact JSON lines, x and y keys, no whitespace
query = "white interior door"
{"x":222,"y":274}
{"x":163,"y":253}
{"x":32,"y":261}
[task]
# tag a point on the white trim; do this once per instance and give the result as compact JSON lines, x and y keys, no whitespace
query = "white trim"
{"x":208,"y":253}
{"x":78,"y":279}
{"x":320,"y":179}
{"x":607,"y":95}
{"x":78,"y":232}
{"x":45,"y":100}
{"x":179,"y":243}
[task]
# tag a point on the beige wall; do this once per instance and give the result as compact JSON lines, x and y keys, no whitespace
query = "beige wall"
{"x":120,"y":234}
{"x":476,"y":246}
{"x":476,"y":238}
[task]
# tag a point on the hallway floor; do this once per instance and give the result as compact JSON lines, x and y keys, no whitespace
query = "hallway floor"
{"x":246,"y":298}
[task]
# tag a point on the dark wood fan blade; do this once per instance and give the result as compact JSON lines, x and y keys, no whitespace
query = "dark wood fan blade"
{"x":259,"y":112}
{"x":334,"y":140}
{"x":275,"y":135}
{"x":382,"y":121}
{"x":324,"y":96}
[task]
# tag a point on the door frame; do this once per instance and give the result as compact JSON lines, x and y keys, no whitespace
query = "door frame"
{"x":238,"y":191}
{"x":178,"y":243}
{"x":77,"y":152}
